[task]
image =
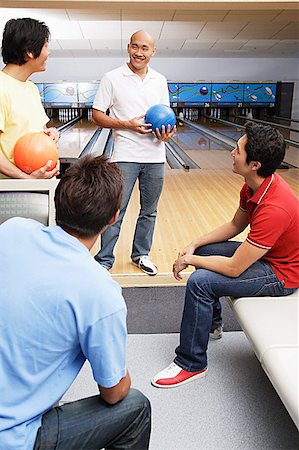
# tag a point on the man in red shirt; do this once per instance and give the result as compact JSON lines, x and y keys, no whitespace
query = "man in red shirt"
{"x":266,"y":263}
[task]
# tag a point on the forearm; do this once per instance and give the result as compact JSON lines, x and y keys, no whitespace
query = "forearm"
{"x":219,"y":264}
{"x":220,"y":234}
{"x":10,"y":170}
{"x":245,"y":255}
{"x":104,"y":121}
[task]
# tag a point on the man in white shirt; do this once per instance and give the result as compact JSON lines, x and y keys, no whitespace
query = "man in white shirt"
{"x":128,"y":92}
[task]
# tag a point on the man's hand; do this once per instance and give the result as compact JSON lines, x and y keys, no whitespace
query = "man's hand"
{"x":53,"y":133}
{"x":166,"y":134}
{"x":178,"y":266}
{"x":188,"y":250}
{"x":140,"y":127}
{"x":44,"y":173}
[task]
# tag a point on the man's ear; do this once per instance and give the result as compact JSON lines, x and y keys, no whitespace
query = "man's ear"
{"x":29,"y":54}
{"x":256,"y":165}
{"x":114,"y":218}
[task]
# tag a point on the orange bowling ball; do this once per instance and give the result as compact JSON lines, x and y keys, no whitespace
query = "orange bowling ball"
{"x":33,"y":150}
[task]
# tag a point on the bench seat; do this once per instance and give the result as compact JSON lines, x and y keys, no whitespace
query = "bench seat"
{"x":271,"y":326}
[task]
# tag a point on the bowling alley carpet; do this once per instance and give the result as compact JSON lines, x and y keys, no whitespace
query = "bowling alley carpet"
{"x":235,"y":407}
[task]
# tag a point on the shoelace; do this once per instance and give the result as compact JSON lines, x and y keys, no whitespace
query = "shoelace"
{"x":171,"y":367}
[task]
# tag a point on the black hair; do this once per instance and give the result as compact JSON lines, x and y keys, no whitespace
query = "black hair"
{"x":266,"y":145}
{"x":21,"y":36}
{"x":88,"y":196}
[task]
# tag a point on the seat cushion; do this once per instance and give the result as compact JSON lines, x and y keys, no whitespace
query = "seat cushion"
{"x":281,"y":366}
{"x":268,"y":321}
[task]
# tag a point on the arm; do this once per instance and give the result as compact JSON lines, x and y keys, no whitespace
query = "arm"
{"x":116,"y":393}
{"x":233,"y":266}
{"x":12,"y":171}
{"x":102,"y":120}
{"x":221,"y":234}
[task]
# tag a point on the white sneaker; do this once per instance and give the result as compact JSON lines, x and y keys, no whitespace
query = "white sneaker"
{"x":174,"y":376}
{"x":217,"y":333}
{"x":146,"y":265}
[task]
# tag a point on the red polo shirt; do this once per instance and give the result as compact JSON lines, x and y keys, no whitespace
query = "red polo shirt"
{"x":273,"y":213}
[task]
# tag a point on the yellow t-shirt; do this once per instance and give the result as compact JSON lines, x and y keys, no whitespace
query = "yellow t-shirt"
{"x":21,"y":112}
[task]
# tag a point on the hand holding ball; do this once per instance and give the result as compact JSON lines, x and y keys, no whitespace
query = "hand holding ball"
{"x":159,"y":115}
{"x":33,"y":150}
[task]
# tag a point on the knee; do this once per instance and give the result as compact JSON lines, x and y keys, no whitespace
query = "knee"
{"x":197,"y":279}
{"x":200,"y":283}
{"x":140,"y":401}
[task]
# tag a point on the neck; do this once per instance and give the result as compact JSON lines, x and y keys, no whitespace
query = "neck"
{"x":88,"y":242}
{"x":254,"y":182}
{"x":140,"y":72}
{"x":21,"y":73}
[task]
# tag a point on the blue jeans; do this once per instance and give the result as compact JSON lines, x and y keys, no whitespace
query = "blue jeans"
{"x":202,"y":310}
{"x":92,"y":424}
{"x":151,"y":178}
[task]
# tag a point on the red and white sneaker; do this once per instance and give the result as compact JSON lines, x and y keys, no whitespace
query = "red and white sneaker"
{"x":174,"y":376}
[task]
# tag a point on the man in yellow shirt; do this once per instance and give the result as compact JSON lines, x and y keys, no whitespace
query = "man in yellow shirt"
{"x":24,"y":51}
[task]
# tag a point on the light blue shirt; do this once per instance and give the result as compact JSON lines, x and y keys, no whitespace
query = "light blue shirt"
{"x":58,"y":307}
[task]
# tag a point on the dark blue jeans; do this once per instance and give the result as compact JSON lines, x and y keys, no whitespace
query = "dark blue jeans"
{"x":92,"y":424}
{"x":202,"y":310}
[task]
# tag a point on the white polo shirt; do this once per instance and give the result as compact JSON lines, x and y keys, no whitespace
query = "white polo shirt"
{"x":128,"y":96}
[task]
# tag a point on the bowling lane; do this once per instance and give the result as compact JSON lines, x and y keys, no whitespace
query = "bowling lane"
{"x":206,"y":152}
{"x":291,"y":155}
{"x":75,"y":138}
{"x":234,"y":132}
{"x":55,"y":123}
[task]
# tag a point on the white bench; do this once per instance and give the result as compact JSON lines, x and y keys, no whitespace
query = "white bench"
{"x":271,"y":326}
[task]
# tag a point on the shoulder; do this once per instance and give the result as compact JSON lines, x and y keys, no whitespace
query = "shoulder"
{"x":154,"y":74}
{"x":33,"y":87}
{"x":21,"y":222}
{"x":5,"y":89}
{"x":115,"y":73}
{"x":19,"y":225}
{"x":281,"y":194}
{"x":4,"y":79}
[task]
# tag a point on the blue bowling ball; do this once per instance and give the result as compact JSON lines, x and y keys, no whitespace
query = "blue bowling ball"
{"x":159,"y":115}
{"x":204,"y":90}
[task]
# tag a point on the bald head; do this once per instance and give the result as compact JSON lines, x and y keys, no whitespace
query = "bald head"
{"x":142,"y":35}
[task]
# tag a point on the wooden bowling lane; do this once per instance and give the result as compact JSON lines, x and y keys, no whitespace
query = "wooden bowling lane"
{"x":54,"y":123}
{"x":208,"y":154}
{"x":191,"y":142}
{"x":292,"y":153}
{"x":292,"y":156}
{"x":192,"y":203}
{"x":75,"y":138}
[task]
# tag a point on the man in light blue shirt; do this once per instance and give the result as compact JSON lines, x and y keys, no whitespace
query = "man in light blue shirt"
{"x":59,"y":308}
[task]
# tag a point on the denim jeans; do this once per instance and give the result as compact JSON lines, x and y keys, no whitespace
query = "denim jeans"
{"x":92,"y":424}
{"x":151,"y":178}
{"x":202,"y":308}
